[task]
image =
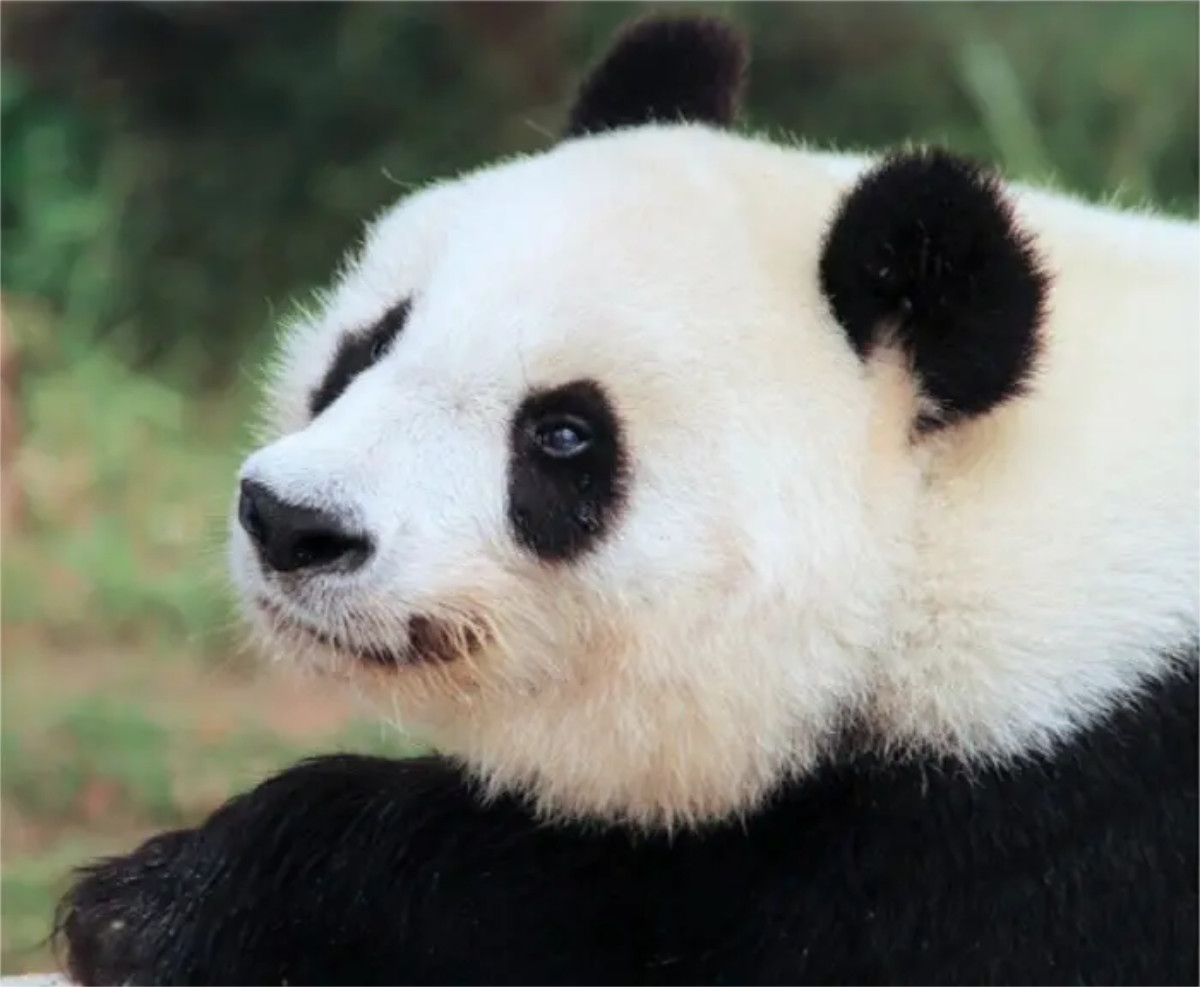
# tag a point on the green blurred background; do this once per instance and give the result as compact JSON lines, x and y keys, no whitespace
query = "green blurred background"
{"x":173,"y":175}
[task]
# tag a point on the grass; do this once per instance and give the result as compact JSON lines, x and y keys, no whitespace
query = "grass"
{"x":127,"y":482}
{"x":127,"y":704}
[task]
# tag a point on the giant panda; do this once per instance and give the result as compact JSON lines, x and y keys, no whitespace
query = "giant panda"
{"x":790,"y":556}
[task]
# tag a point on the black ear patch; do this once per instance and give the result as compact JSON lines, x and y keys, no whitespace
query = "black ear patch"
{"x":664,"y":70}
{"x":925,"y":251}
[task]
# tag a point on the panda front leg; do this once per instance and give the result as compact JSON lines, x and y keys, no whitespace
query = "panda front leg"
{"x":122,"y":919}
{"x":354,"y":870}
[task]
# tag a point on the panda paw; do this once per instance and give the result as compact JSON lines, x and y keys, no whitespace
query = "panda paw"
{"x":297,"y":880}
{"x":122,"y":915}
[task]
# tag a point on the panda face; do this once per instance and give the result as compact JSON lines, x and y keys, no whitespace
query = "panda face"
{"x":634,"y":472}
{"x":558,"y":444}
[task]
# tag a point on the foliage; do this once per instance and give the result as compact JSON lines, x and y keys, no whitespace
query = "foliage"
{"x":171,"y":171}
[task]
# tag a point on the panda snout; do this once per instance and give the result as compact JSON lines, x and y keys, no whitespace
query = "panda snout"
{"x":294,"y":538}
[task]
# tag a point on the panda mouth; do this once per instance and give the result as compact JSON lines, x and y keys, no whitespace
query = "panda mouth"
{"x":428,"y":640}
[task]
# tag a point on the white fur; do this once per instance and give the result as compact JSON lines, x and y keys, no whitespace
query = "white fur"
{"x":787,"y":557}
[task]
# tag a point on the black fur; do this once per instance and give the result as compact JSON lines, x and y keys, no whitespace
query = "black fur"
{"x":925,"y":251}
{"x":559,"y":508}
{"x":356,"y":353}
{"x":1081,"y":869}
{"x":664,"y":70}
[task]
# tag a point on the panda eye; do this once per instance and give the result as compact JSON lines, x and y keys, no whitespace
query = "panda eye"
{"x":562,"y":436}
{"x":385,"y":332}
{"x":357,"y":352}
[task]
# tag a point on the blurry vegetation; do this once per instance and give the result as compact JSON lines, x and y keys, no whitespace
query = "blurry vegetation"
{"x":170,"y":170}
{"x":172,"y":175}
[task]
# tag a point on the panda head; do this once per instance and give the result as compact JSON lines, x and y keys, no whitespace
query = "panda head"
{"x":599,"y":466}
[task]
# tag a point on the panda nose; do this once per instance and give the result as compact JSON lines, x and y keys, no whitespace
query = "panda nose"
{"x":290,"y":538}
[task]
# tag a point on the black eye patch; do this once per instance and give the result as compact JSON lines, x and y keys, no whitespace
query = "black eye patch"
{"x":567,"y":470}
{"x":356,"y":352}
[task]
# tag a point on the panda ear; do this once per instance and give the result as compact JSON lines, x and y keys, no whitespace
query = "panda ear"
{"x":667,"y":70}
{"x":925,"y":253}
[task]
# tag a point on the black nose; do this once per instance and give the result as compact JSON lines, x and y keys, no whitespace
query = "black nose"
{"x":289,"y":537}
